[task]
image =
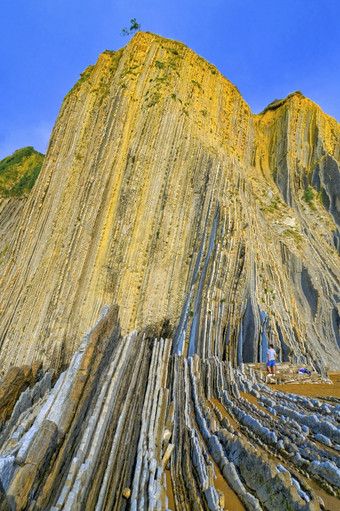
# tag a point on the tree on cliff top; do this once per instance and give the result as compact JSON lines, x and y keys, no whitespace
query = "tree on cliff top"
{"x":134,"y":26}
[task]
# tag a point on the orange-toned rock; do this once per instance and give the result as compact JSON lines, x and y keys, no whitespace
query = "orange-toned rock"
{"x":15,"y":381}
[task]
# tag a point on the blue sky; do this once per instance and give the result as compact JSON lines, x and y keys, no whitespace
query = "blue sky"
{"x":266,"y":48}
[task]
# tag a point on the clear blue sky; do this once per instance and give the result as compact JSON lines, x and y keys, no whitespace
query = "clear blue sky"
{"x":267,"y":48}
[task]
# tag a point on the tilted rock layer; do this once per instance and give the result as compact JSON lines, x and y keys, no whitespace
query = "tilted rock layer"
{"x":128,"y":426}
{"x":161,"y":192}
{"x":18,"y":174}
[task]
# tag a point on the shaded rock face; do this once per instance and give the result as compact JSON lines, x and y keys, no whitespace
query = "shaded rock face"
{"x":300,"y":147}
{"x":162,"y":193}
{"x":130,"y":426}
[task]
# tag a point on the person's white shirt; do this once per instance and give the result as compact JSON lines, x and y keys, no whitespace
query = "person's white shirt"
{"x":272,"y":354}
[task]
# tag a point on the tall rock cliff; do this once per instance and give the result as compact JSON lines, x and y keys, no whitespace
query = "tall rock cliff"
{"x":213,"y":231}
{"x":162,"y":193}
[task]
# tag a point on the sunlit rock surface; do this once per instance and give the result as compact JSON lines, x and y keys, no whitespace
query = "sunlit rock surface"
{"x":18,"y":174}
{"x":161,"y":192}
{"x":198,"y":233}
{"x":130,"y":426}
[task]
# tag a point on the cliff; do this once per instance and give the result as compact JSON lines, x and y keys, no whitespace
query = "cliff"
{"x":161,"y":192}
{"x":209,"y":232}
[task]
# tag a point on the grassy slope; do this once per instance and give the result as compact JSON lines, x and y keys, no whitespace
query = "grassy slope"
{"x":19,"y":172}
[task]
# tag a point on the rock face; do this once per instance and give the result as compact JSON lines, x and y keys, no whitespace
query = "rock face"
{"x":17,"y":379}
{"x":128,"y":426}
{"x":161,"y":192}
{"x":18,"y":174}
{"x":214,"y":231}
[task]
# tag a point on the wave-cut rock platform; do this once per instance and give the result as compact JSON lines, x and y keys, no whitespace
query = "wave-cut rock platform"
{"x":130,"y":426}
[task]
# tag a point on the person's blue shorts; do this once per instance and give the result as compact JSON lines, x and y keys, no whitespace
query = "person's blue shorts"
{"x":271,"y":363}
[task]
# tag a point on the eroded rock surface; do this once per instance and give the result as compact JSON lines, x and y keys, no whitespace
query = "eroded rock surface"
{"x":16,"y":380}
{"x":130,"y":426}
{"x":215,"y":232}
{"x":18,"y":174}
{"x":162,"y":192}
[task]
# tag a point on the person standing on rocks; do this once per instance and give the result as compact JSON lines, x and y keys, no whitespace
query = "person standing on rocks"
{"x":272,"y":356}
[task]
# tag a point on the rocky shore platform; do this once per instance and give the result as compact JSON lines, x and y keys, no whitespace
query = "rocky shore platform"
{"x":128,"y":426}
{"x":287,"y":373}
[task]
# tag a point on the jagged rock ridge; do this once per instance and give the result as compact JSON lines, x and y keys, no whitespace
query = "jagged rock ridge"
{"x":162,"y":193}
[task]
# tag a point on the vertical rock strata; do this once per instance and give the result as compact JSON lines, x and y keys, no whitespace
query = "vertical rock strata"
{"x":10,"y":215}
{"x":128,"y":426}
{"x":162,"y":193}
{"x":18,"y":174}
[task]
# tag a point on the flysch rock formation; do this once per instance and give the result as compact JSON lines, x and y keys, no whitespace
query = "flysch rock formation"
{"x":191,"y":233}
{"x":162,"y":193}
{"x":130,"y":426}
{"x":18,"y":174}
{"x":10,"y":215}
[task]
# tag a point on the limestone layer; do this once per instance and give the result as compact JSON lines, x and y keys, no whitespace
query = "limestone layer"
{"x":128,"y":426}
{"x":162,"y":193}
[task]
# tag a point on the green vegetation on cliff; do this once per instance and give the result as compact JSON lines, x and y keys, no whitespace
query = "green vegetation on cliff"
{"x":19,"y":172}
